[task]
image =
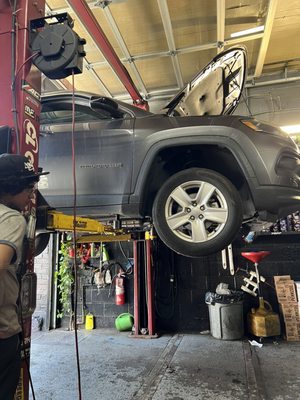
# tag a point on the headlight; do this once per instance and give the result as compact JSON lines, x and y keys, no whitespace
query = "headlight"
{"x":259,"y":126}
{"x":252,"y":124}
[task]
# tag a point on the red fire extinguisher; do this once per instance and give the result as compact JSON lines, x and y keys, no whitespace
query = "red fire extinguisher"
{"x":120,"y":290}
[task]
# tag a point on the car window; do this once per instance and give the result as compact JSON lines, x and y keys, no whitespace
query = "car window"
{"x":61,"y":113}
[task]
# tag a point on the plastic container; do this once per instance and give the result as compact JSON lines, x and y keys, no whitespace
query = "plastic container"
{"x":124,"y":322}
{"x":226,"y":315}
{"x":89,"y":321}
{"x":226,"y":320}
{"x":263,"y":321}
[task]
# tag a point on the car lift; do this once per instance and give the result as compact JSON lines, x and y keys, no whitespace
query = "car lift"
{"x":94,"y":232}
{"x":20,"y":88}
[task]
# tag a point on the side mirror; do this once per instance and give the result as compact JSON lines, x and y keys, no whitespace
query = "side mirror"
{"x":108,"y":105}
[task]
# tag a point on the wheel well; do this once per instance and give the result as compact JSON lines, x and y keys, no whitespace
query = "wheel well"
{"x":174,"y":159}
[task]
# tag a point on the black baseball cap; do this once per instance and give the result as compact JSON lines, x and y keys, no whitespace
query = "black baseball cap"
{"x":16,"y":166}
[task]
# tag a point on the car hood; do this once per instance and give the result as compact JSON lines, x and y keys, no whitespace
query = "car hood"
{"x":216,"y":89}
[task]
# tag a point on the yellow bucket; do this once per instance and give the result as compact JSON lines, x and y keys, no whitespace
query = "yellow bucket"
{"x":89,"y":321}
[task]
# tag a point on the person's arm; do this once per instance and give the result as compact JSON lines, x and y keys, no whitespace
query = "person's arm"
{"x":12,"y":231}
{"x":6,"y":255}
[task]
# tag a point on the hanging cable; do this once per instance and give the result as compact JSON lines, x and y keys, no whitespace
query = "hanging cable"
{"x":129,"y":269}
{"x":74,"y":240}
{"x":25,"y":358}
{"x":14,"y":74}
{"x":13,"y":71}
{"x":19,"y":69}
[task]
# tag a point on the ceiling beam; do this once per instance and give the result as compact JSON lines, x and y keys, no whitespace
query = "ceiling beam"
{"x":232,"y":41}
{"x":112,"y":23}
{"x":96,"y":77}
{"x":184,"y":50}
{"x":251,"y":83}
{"x":88,"y":19}
{"x":166,"y":20}
{"x":266,"y":37}
{"x":220,"y":24}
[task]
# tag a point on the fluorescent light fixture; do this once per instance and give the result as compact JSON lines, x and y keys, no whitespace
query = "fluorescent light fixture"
{"x":291,"y":129}
{"x":248,"y":31}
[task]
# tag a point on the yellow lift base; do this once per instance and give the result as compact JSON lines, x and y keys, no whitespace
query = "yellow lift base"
{"x":98,"y":232}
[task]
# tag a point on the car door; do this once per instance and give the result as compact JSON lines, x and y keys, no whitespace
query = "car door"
{"x":103,"y":155}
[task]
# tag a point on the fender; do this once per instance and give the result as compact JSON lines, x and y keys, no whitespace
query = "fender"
{"x":227,"y":137}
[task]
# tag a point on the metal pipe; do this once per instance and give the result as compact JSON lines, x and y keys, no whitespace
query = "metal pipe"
{"x":272,"y":82}
{"x":220,"y":24}
{"x":136,"y":288}
{"x":266,"y":37}
{"x":149,"y":288}
{"x":167,"y":24}
{"x":258,"y":279}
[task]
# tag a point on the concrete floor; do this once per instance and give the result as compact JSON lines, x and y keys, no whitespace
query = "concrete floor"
{"x":172,"y":367}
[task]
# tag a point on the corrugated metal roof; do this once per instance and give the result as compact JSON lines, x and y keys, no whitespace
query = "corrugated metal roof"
{"x":164,"y":43}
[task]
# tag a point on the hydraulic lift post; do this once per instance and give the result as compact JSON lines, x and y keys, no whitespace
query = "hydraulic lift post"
{"x":20,"y":86}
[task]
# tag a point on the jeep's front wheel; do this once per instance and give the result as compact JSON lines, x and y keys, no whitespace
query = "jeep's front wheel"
{"x":197,"y":212}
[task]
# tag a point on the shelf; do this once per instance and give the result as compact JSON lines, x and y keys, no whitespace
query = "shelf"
{"x":278,"y":233}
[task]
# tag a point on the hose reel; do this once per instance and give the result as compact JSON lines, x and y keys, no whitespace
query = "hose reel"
{"x":59,"y":50}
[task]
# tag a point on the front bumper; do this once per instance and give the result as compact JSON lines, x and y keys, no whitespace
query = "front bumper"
{"x":277,"y":200}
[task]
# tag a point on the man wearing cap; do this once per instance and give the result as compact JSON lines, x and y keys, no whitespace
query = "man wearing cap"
{"x":17,"y":183}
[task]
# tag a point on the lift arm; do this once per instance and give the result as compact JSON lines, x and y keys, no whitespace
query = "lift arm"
{"x":98,"y":232}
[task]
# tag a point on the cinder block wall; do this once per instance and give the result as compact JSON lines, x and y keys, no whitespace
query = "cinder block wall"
{"x":181,"y":306}
{"x":101,"y":303}
{"x":180,"y":282}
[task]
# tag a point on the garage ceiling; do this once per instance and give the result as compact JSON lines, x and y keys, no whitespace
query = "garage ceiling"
{"x":164,"y":43}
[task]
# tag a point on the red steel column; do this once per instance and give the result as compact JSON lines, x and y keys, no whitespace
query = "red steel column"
{"x":26,"y":107}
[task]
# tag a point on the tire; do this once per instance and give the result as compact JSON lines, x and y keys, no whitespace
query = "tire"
{"x":40,"y":243}
{"x":194,"y":223}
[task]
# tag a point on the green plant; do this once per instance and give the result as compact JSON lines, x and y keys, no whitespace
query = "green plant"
{"x":65,"y":279}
